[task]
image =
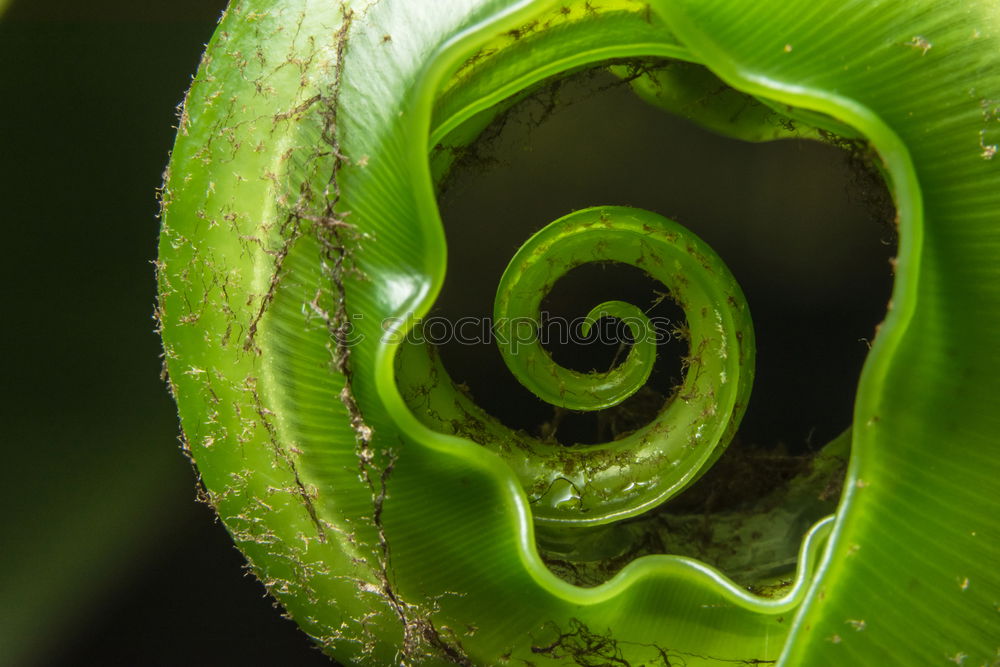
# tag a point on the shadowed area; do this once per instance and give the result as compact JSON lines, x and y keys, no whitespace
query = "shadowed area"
{"x":793,"y":220}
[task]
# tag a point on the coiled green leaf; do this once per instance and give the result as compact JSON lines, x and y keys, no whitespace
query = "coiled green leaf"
{"x":301,"y":241}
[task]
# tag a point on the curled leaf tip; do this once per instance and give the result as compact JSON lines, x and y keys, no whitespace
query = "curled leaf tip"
{"x":397,"y":521}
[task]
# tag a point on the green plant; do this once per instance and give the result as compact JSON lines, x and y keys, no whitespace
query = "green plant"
{"x":301,"y":236}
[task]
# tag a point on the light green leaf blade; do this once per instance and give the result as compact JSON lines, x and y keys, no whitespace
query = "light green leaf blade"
{"x":300,"y":227}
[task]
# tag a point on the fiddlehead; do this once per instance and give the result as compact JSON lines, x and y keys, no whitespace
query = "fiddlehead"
{"x":301,"y":235}
{"x":594,"y":484}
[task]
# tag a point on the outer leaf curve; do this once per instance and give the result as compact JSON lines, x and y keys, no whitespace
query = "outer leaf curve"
{"x":944,"y":192}
{"x":328,"y":527}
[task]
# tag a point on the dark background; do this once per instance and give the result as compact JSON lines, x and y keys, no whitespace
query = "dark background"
{"x":105,"y":557}
{"x":798,"y":223}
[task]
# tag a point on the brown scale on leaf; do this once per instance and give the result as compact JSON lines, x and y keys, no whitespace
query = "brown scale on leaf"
{"x":867,"y":185}
{"x":533,"y":107}
{"x":420,"y":636}
{"x":283,"y":456}
{"x":579,"y":645}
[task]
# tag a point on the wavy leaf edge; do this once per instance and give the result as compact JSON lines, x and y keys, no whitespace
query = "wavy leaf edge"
{"x":484,"y":22}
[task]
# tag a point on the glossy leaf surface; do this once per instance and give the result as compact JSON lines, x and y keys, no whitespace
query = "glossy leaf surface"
{"x":301,"y":239}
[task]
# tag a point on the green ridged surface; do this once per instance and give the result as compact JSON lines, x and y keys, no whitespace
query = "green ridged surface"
{"x":300,"y":215}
